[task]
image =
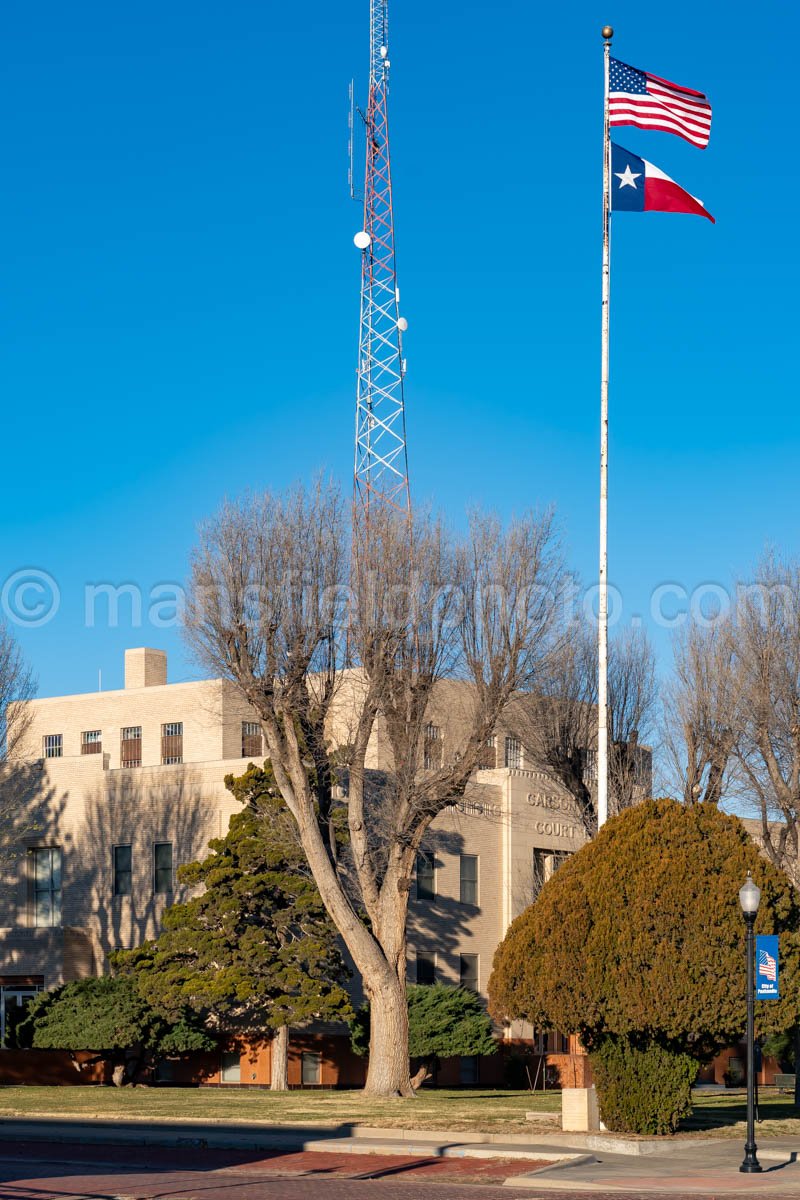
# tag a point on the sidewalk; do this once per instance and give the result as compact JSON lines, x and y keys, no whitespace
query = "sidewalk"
{"x":684,"y":1166}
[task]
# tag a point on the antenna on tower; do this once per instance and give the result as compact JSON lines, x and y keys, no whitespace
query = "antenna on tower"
{"x":381,"y":459}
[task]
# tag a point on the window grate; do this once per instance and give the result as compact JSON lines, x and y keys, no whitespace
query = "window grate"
{"x":252,"y":742}
{"x":513,"y":753}
{"x":130,"y":747}
{"x":172,"y":743}
{"x":53,"y":745}
{"x":92,"y":741}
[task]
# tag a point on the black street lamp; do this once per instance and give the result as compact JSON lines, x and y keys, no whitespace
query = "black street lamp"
{"x":749,"y":898}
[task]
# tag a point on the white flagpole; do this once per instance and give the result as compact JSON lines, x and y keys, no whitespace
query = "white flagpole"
{"x":602,"y":618}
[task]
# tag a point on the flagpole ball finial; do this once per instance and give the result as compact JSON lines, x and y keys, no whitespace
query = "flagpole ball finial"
{"x":607,"y":32}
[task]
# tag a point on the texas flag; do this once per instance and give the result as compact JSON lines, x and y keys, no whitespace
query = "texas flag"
{"x":638,"y":186}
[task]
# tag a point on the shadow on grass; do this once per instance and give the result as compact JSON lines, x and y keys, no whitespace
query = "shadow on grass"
{"x":719,"y":1112}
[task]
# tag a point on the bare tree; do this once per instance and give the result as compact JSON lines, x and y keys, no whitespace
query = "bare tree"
{"x":557,"y":721}
{"x":701,"y":711}
{"x":17,"y":685}
{"x":321,"y":634}
{"x":732,"y":713}
{"x":768,"y":743}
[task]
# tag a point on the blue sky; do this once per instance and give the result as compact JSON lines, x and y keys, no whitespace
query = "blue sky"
{"x":179,"y":287}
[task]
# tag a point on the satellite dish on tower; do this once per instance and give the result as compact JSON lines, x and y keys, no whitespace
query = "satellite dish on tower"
{"x":402,"y":324}
{"x":362,"y":240}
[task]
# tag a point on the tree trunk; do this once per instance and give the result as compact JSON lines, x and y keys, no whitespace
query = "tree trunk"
{"x":279,"y":1074}
{"x":389,"y":1073}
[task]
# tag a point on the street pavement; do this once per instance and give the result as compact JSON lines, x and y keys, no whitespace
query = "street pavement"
{"x":68,"y":1159}
{"x":42,"y":1171}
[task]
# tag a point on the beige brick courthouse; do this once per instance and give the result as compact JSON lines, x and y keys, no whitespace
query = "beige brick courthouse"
{"x":121,"y":787}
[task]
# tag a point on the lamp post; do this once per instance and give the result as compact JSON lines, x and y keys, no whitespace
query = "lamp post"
{"x":749,"y":898}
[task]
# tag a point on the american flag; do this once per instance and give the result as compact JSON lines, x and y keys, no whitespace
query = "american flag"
{"x":767,"y":966}
{"x":641,"y":99}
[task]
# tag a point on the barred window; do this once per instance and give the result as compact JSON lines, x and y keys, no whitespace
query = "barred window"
{"x":53,"y":745}
{"x":172,"y":743}
{"x":252,"y":743}
{"x":432,"y":748}
{"x":162,"y":868}
{"x":513,"y":753}
{"x":130,"y":749}
{"x":92,"y":741}
{"x":488,"y":760}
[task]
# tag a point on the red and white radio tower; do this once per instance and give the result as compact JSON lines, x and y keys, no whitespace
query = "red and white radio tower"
{"x":381,"y":461}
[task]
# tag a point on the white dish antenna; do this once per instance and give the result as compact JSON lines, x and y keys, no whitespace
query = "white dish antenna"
{"x":362,"y":240}
{"x":402,"y":324}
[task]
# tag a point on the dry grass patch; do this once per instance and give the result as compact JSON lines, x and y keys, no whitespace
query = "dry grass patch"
{"x":479,"y":1109}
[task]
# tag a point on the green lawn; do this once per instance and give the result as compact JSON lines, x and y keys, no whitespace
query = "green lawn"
{"x":720,"y":1114}
{"x":494,"y":1111}
{"x":724,"y":1114}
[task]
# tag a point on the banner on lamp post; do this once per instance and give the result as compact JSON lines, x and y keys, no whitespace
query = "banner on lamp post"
{"x":767,"y":970}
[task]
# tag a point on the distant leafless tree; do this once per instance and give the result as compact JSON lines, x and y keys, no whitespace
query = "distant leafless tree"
{"x":284,"y":598}
{"x":557,"y":721}
{"x":732,"y":713}
{"x":17,"y":685}
{"x":768,"y":743}
{"x":701,"y":710}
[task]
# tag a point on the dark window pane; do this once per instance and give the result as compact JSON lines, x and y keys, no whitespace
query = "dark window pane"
{"x":426,"y":879}
{"x":162,"y":859}
{"x":426,"y":968}
{"x":469,"y":1069}
{"x":123,"y":860}
{"x":469,"y":971}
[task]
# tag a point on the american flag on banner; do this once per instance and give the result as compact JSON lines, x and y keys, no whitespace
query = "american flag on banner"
{"x":641,"y":99}
{"x":767,"y":966}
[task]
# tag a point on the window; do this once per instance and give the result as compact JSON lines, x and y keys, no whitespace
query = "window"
{"x":426,"y":968}
{"x":469,"y":971}
{"x":123,"y":861}
{"x":311,"y":1069}
{"x":130,"y":748}
{"x":513,"y":753}
{"x":172,"y":743}
{"x":426,"y":877}
{"x":545,"y":865}
{"x":230,"y":1067}
{"x":46,"y":886}
{"x":468,"y":1069}
{"x":252,"y":746}
{"x":469,"y":879}
{"x":432,"y":748}
{"x":489,"y":756}
{"x":92,"y":741}
{"x":53,"y":745}
{"x":162,"y":867}
{"x":15,"y":992}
